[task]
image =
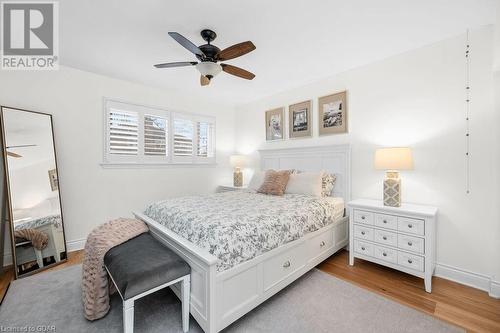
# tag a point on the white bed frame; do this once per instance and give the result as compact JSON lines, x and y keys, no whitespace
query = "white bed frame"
{"x":220,"y":298}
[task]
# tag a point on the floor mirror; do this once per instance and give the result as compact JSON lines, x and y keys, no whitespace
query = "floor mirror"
{"x":32,"y":186}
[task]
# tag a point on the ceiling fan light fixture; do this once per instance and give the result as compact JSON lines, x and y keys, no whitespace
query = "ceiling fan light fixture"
{"x":209,"y":69}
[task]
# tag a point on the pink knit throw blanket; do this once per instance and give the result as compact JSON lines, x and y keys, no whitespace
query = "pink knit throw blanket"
{"x":95,"y":283}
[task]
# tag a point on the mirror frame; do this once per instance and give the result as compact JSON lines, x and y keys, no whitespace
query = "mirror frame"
{"x":9,"y":198}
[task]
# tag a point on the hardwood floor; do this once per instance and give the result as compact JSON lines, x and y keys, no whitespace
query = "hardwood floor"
{"x":452,"y":302}
{"x":449,"y":301}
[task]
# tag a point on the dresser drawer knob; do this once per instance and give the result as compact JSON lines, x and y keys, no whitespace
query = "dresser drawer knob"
{"x":410,"y":261}
{"x":322,"y":244}
{"x":385,"y":221}
{"x":384,"y":254}
{"x":362,"y":232}
{"x":384,"y":237}
{"x":410,"y":243}
{"x":286,"y":264}
{"x":363,"y":248}
{"x":363,"y":217}
{"x":410,"y":226}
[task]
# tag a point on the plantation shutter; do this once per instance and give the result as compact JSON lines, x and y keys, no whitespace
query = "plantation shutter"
{"x":144,"y":135}
{"x":205,"y":139}
{"x":123,"y":133}
{"x":183,"y":137}
{"x":155,"y":135}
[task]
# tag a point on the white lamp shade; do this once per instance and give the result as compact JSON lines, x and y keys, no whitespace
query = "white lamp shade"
{"x":208,"y":68}
{"x":237,"y":161}
{"x":398,"y":158}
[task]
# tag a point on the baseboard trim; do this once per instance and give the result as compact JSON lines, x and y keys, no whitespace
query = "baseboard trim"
{"x":75,"y":245}
{"x":495,"y":289}
{"x":7,"y":259}
{"x":468,"y":278}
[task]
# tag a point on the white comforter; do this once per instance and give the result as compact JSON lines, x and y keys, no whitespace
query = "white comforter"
{"x":238,"y":226}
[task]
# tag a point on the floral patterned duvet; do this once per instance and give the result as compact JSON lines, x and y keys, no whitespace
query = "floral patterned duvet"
{"x":238,"y":226}
{"x":35,"y":223}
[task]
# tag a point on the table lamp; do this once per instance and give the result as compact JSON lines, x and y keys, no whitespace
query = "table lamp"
{"x":392,"y":160}
{"x":237,"y":162}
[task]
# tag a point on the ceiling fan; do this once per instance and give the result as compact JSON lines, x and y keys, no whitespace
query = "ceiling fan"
{"x":15,"y":155}
{"x":209,"y":55}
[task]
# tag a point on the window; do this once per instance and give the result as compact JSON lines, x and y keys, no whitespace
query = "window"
{"x":123,"y":132}
{"x":205,"y":139}
{"x":144,"y":135}
{"x":155,"y":135}
{"x":183,"y":137}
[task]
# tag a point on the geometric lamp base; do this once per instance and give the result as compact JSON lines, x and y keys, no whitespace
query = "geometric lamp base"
{"x":392,"y":189}
{"x":238,"y":178}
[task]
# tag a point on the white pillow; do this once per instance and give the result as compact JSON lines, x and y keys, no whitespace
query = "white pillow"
{"x":257,"y":180}
{"x":310,"y":183}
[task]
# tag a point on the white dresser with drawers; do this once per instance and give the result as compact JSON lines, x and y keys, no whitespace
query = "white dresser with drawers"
{"x":403,"y":238}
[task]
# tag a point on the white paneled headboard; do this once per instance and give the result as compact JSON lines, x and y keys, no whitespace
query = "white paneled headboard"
{"x":332,"y":158}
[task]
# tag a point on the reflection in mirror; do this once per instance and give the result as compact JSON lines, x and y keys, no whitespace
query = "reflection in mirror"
{"x":36,"y":225}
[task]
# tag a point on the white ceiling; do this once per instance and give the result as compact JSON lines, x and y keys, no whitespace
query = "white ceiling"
{"x":297,"y":41}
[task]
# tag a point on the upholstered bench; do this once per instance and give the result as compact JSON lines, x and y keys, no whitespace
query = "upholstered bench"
{"x":142,"y":266}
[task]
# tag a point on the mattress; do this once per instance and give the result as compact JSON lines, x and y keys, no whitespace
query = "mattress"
{"x":240,"y":225}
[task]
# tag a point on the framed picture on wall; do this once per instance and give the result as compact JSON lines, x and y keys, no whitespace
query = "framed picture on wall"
{"x":332,"y":115}
{"x":275,"y":121}
{"x":299,"y":120}
{"x":54,"y":183}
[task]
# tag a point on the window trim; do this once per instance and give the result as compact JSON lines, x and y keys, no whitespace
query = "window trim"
{"x":141,"y":160}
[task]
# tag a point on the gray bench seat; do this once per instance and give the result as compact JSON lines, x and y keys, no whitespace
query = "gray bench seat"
{"x":142,"y":266}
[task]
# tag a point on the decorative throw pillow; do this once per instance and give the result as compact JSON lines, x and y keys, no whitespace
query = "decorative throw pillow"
{"x":309,"y":183}
{"x":257,"y":180}
{"x":328,"y":183}
{"x":275,"y":182}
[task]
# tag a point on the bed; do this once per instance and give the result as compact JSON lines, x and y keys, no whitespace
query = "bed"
{"x":244,"y":247}
{"x":44,"y":217}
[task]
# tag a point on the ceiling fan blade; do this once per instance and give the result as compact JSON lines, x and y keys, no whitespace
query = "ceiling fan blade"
{"x":204,"y":81}
{"x":176,"y":64}
{"x":236,"y":50}
{"x":20,"y":146}
{"x":186,"y":43}
{"x":236,"y":71}
{"x":11,"y":154}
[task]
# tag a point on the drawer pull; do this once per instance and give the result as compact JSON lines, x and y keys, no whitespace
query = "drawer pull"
{"x":362,"y":232}
{"x":363,"y":248}
{"x":410,"y":225}
{"x":385,"y":221}
{"x":384,"y":254}
{"x":410,"y":243}
{"x":322,"y":244}
{"x":384,"y":237}
{"x":410,"y":261}
{"x":363,"y":217}
{"x":286,"y":264}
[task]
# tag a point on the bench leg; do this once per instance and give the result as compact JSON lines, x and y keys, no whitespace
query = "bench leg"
{"x":128,"y":316}
{"x":185,"y":298}
{"x":39,"y":258}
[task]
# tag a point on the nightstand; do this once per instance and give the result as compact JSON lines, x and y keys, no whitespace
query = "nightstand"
{"x":403,"y":238}
{"x":228,"y":188}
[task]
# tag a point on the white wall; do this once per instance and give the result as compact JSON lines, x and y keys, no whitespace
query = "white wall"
{"x":31,"y":185}
{"x":496,"y":73}
{"x":415,"y":99}
{"x":497,"y":39}
{"x":90,"y":194}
